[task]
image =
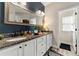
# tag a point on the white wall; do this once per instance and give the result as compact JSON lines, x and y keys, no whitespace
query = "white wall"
{"x":51,"y":18}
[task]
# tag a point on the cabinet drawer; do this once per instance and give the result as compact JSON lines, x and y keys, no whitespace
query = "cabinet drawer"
{"x":41,"y":43}
{"x":41,"y":46}
{"x":41,"y":50}
{"x":49,"y":36}
{"x":41,"y":40}
{"x":49,"y":41}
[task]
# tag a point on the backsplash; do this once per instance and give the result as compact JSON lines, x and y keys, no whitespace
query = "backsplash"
{"x":12,"y":28}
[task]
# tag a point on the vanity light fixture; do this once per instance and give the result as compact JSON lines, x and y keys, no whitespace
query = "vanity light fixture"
{"x":39,"y":12}
{"x":42,"y":13}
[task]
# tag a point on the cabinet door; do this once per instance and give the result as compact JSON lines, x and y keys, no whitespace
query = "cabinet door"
{"x":10,"y":51}
{"x":30,"y":48}
{"x":20,"y":49}
{"x":49,"y":41}
{"x":41,"y":46}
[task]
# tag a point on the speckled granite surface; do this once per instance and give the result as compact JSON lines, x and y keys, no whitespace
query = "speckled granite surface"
{"x":6,"y":42}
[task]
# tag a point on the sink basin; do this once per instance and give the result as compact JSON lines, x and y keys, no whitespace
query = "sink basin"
{"x":15,"y":39}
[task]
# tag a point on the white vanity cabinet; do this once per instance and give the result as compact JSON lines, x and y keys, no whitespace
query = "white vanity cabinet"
{"x":27,"y":48}
{"x":49,"y":41}
{"x":30,"y":48}
{"x":34,"y":47}
{"x":41,"y":45}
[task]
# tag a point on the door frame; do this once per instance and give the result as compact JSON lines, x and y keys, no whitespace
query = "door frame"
{"x":74,"y":35}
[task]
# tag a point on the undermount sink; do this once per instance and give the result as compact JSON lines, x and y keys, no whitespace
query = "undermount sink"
{"x":15,"y":39}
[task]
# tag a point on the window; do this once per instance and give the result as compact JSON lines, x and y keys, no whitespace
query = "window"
{"x":68,"y":23}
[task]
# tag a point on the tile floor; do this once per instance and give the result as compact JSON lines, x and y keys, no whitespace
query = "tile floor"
{"x":52,"y":53}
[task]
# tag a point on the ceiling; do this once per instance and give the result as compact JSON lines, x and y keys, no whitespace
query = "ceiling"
{"x":60,"y":5}
{"x":57,"y":3}
{"x":46,"y":3}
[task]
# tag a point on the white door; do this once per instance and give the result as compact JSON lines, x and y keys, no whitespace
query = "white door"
{"x":30,"y":48}
{"x":67,"y":28}
{"x":10,"y":51}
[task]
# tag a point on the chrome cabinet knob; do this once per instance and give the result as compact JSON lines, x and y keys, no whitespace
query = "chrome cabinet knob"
{"x":25,"y":44}
{"x":20,"y":47}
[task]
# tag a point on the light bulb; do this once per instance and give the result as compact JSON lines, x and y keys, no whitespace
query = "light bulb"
{"x":38,"y":12}
{"x":42,"y":13}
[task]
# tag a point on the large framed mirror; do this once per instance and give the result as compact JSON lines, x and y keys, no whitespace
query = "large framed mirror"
{"x":14,"y":14}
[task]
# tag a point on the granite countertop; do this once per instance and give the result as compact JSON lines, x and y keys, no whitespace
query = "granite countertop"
{"x":6,"y":42}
